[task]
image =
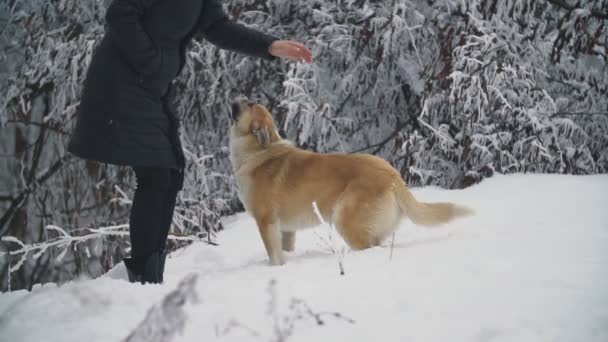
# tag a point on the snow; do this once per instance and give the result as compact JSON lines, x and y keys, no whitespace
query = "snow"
{"x":531,"y":265}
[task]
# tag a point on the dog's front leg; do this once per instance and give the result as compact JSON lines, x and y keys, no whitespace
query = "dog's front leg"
{"x":271,"y":235}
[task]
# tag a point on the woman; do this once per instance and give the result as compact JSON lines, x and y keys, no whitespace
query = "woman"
{"x":124,"y":117}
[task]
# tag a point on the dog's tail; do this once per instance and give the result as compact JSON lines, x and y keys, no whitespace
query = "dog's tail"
{"x":428,"y":214}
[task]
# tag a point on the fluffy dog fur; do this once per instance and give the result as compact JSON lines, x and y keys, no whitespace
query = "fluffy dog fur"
{"x":362,"y":195}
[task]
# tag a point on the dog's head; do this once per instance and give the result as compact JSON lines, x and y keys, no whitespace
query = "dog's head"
{"x":251,"y":119}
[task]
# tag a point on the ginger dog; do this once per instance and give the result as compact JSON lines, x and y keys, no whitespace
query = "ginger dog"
{"x":362,"y":195}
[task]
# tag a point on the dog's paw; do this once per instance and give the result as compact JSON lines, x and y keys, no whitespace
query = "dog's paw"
{"x":277,"y":261}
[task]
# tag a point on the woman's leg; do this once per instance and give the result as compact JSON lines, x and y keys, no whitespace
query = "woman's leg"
{"x":147,"y":219}
{"x":150,"y":221}
{"x":176,"y":179}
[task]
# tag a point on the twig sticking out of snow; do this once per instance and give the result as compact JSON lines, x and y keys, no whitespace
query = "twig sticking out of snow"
{"x":392,"y":247}
{"x":298,"y":309}
{"x":233,"y":325}
{"x":283,"y":321}
{"x":163,"y":321}
{"x":330,"y":242}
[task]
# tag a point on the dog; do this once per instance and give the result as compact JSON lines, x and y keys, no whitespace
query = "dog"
{"x":362,"y":195}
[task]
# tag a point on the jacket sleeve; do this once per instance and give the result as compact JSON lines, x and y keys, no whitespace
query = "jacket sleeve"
{"x":226,"y":34}
{"x":124,"y":26}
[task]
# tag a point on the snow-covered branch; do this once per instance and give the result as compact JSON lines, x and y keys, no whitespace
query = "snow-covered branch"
{"x":64,"y":241}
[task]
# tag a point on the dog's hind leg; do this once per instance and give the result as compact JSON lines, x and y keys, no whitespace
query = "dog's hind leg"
{"x":289,"y":241}
{"x":352,"y":223}
{"x":355,"y":233}
{"x":385,"y":218}
{"x":365,"y":218}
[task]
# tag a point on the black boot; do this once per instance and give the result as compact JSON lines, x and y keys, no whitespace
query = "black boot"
{"x":162,"y":256}
{"x":133,"y":271}
{"x":146,"y":270}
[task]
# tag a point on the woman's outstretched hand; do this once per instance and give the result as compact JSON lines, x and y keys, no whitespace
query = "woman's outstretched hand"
{"x":290,"y":49}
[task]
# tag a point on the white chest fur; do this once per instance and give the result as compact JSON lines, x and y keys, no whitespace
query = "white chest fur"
{"x":238,"y":159}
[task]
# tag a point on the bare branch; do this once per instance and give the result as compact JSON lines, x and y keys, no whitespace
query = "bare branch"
{"x":32,"y":186}
{"x":379,"y":146}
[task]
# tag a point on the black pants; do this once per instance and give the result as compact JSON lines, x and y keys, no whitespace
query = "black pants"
{"x":152,"y":209}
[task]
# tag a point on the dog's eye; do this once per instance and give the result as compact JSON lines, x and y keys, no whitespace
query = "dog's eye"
{"x":250,"y":104}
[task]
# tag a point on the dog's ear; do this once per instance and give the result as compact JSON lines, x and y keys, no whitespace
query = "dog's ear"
{"x":261,"y":133}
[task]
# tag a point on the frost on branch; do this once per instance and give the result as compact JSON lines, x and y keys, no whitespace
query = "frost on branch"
{"x":65,"y":242}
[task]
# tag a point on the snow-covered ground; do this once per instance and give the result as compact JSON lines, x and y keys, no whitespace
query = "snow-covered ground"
{"x":531,"y":265}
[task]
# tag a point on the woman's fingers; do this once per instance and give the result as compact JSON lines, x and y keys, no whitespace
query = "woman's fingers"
{"x":291,"y":49}
{"x":296,"y":44}
{"x":303,"y":51}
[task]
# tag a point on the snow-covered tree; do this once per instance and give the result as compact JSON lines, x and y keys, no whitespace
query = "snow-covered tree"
{"x":454,"y":91}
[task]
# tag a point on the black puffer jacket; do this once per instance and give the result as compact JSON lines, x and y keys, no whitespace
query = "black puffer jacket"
{"x":124,"y":116}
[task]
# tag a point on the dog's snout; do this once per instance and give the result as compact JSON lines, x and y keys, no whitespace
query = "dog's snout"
{"x":236,"y":110}
{"x":240,"y":103}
